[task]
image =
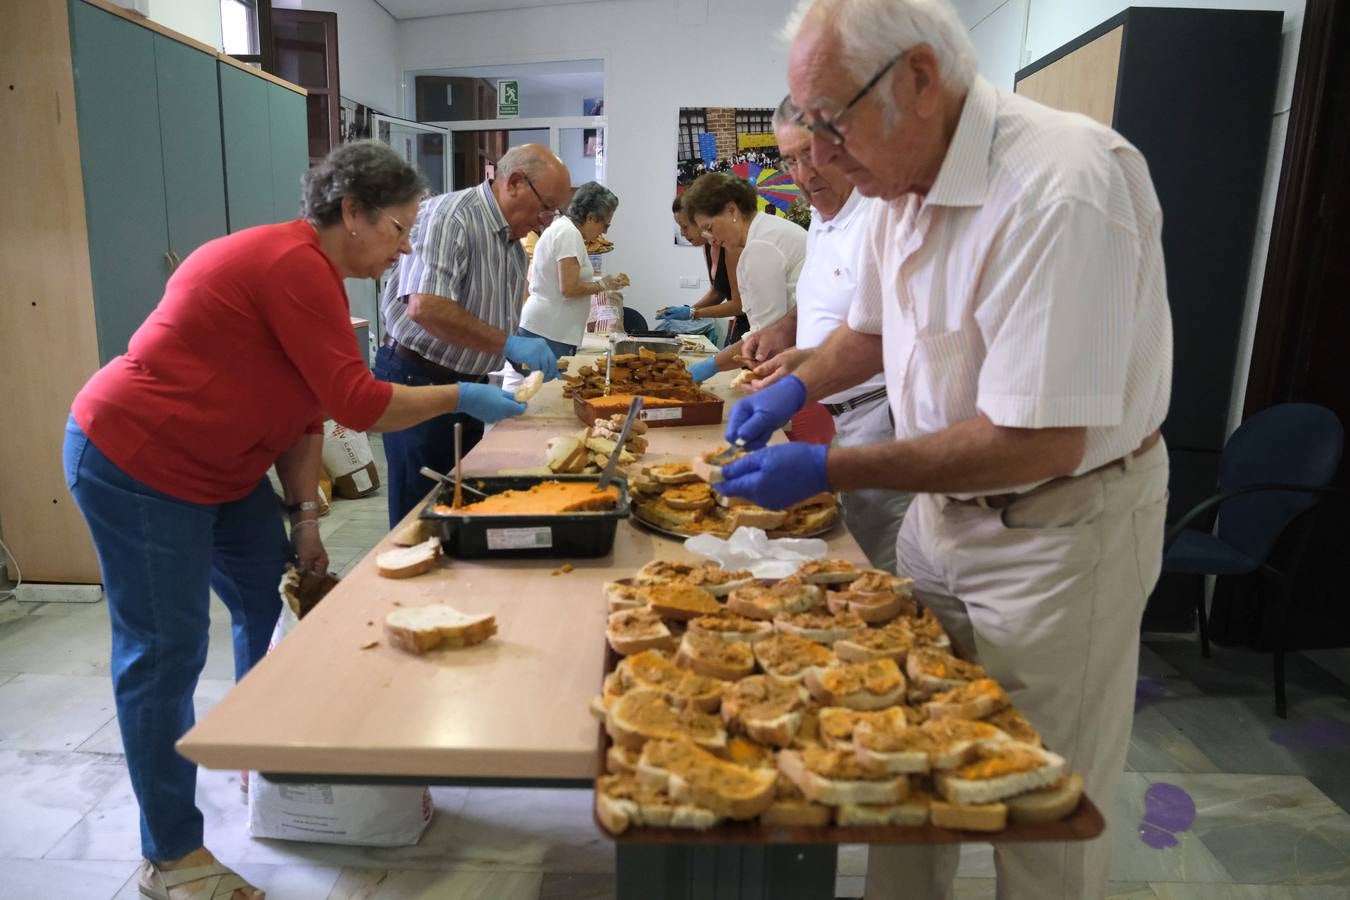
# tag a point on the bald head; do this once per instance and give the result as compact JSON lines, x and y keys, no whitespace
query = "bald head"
{"x":530,"y":184}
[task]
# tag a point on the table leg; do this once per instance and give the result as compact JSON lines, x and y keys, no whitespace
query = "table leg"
{"x":725,"y":872}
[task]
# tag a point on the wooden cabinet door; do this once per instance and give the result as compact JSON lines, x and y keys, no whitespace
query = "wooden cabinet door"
{"x":194,"y":168}
{"x":123,"y":169}
{"x":290,"y":149}
{"x":246,"y":133}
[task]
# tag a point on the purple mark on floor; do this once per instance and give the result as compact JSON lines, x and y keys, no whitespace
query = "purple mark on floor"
{"x":1147,"y":690}
{"x":1167,"y":810}
{"x":1315,"y":733}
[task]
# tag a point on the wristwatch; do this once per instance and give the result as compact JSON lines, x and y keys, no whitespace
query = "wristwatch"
{"x":303,"y":506}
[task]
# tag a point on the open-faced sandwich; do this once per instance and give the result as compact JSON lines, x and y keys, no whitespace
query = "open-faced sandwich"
{"x":692,"y":775}
{"x":646,"y":714}
{"x":869,"y":685}
{"x":791,"y":595}
{"x":766,"y":710}
{"x":711,"y":656}
{"x":732,"y":628}
{"x":788,"y":657}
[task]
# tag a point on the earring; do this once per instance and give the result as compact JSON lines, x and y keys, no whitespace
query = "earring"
{"x":353,"y":234}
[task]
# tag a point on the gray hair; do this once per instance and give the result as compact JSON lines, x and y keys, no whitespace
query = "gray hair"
{"x":872,"y":32}
{"x":593,"y":199}
{"x":369,"y":172}
{"x":784,"y":115}
{"x":532,"y":160}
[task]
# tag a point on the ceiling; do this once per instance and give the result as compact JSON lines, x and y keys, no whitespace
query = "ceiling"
{"x":412,"y":9}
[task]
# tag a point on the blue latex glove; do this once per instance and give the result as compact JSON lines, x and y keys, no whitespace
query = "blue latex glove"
{"x":758,"y":416}
{"x":487,"y":402}
{"x":778,"y":476}
{"x":531,"y":354}
{"x":704,"y":369}
{"x":678,"y":313}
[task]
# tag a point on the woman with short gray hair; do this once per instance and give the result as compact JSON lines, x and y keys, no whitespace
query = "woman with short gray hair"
{"x":562,"y":280}
{"x":167,"y":453}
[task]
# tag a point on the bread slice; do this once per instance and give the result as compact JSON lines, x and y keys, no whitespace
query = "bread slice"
{"x":612,"y":689}
{"x":892,"y":641}
{"x":633,"y":630}
{"x":822,"y":628}
{"x":714,"y":657}
{"x":405,"y":562}
{"x":621,"y":760}
{"x":969,"y":817}
{"x":838,"y":724}
{"x":622,"y":594}
{"x":879,"y":581}
{"x":744,"y":752}
{"x":768,"y":711}
{"x":709,"y":576}
{"x":681,"y":687}
{"x":622,"y":801}
{"x":1048,"y":804}
{"x":791,"y":808}
{"x":893,"y":745}
{"x":693,"y":775}
{"x":415,"y":532}
{"x":829,"y":571}
{"x":645,"y":714}
{"x":756,"y":517}
{"x":732,"y":628}
{"x":912,"y":811}
{"x":870,"y":685}
{"x":529,"y":387}
{"x":661,"y":514}
{"x":836,"y":778}
{"x":788,"y":657}
{"x":671,"y":473}
{"x":420,"y":629}
{"x":791,"y":595}
{"x":689,"y":496}
{"x":999,"y":771}
{"x":679,"y":601}
{"x":976,"y":700}
{"x":932,"y":671}
{"x":951,"y":743}
{"x":1012,"y":723}
{"x":873,"y":609}
{"x":928,"y":631}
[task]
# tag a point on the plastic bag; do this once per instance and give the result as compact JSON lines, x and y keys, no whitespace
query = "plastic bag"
{"x":752,"y":549}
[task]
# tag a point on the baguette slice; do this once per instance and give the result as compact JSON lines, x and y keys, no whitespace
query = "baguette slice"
{"x":932,"y":671}
{"x":697,"y":497}
{"x":424,"y":628}
{"x":1049,"y":804}
{"x":405,"y":562}
{"x":634,"y":630}
{"x":710,"y":577}
{"x":969,"y":817}
{"x":714,"y":657}
{"x":645,"y":714}
{"x":693,"y":775}
{"x":873,"y":609}
{"x":679,"y":601}
{"x":533,"y":382}
{"x":622,"y":801}
{"x":756,"y":517}
{"x":1000,"y":771}
{"x":670,"y":473}
{"x":681,"y":687}
{"x":791,"y":595}
{"x":788,"y":657}
{"x":892,"y":641}
{"x":913,"y":810}
{"x":870,"y":685}
{"x":976,"y":700}
{"x":732,"y":628}
{"x":769,"y":711}
{"x":838,"y":725}
{"x":951,"y":743}
{"x":836,"y":778}
{"x":829,"y":571}
{"x":820,"y":627}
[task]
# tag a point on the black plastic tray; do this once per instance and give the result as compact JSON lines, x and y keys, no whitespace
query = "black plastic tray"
{"x":572,"y":535}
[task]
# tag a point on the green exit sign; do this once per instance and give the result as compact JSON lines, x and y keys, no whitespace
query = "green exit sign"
{"x":508,"y":99}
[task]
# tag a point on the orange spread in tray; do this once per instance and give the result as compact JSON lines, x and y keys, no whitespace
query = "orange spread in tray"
{"x":618,"y":403}
{"x":547,"y":498}
{"x":997,"y":763}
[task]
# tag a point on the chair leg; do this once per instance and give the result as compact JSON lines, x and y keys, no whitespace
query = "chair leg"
{"x":1202,"y":619}
{"x":1281,"y":701}
{"x":1284,"y":584}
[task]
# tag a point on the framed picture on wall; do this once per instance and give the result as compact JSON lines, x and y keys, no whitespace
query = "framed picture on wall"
{"x":590,"y":139}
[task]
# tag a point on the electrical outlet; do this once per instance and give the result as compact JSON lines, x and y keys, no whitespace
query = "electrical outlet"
{"x":690,"y":281}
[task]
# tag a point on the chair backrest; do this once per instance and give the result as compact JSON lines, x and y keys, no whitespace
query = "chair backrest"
{"x":1290,"y":443}
{"x":634,"y":321}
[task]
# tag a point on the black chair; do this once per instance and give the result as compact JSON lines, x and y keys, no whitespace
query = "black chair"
{"x":633,"y":321}
{"x":1273,"y":471}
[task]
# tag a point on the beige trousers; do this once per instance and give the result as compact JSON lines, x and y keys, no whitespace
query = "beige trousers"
{"x":872,"y":516}
{"x":1047,"y":594}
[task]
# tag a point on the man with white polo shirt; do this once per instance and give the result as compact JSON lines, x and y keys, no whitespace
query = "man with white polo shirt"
{"x":825,"y":291}
{"x":1012,"y":289}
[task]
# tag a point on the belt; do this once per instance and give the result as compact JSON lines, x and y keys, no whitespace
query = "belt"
{"x":434,"y":370}
{"x":838,"y":409}
{"x":1001,"y":501}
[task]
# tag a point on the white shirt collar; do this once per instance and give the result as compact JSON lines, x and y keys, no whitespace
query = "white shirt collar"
{"x":841,"y":219}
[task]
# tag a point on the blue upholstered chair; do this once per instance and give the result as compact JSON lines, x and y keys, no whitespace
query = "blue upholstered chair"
{"x":1273,"y":471}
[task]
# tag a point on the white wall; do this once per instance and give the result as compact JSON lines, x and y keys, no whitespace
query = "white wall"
{"x":1010,"y":34}
{"x":660,"y":55}
{"x":198,"y":19}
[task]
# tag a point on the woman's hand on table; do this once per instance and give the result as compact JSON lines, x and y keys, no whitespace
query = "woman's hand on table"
{"x":676,"y":313}
{"x":310,"y":555}
{"x":487,"y":402}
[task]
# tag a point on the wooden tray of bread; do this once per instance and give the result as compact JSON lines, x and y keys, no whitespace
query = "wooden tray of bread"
{"x":677,"y":500}
{"x":822,"y":708}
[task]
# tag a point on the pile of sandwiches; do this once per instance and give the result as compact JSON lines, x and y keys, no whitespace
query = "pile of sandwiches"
{"x":661,"y":375}
{"x":588,"y":450}
{"x":828,"y":697}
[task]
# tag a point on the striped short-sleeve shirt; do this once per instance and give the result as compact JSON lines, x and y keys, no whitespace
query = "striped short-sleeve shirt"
{"x":1027,"y":285}
{"x":462,"y":249}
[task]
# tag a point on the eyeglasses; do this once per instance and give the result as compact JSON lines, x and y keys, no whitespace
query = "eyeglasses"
{"x":545,"y":211}
{"x":828,"y":128}
{"x":399,"y":226}
{"x":796,"y":162}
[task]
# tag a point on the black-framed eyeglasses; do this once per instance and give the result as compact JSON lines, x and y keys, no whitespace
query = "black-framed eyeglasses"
{"x":544,"y":209}
{"x":827,"y":128}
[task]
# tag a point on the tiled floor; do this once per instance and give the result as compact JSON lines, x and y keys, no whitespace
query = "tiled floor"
{"x":1271,"y":796}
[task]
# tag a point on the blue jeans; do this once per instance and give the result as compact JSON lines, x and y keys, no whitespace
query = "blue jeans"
{"x":558,"y":347}
{"x":432,"y":443}
{"x":161,"y":557}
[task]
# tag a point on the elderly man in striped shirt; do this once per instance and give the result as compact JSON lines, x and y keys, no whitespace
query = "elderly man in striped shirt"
{"x":1012,"y":290}
{"x":451,"y":307}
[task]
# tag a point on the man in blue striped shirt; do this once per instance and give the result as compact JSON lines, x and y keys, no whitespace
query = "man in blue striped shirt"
{"x":451,"y":307}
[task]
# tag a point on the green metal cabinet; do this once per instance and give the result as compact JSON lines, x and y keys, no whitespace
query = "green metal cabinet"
{"x":290,"y":149}
{"x":246,"y":127}
{"x":123,"y":168}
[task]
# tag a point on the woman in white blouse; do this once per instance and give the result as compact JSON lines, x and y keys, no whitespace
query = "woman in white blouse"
{"x":725,"y":209}
{"x":562,"y":280}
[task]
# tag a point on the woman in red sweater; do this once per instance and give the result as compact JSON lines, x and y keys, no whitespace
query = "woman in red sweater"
{"x":167,"y":453}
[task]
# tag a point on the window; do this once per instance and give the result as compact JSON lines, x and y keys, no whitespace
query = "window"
{"x":246,"y":31}
{"x":693,"y":122}
{"x":754,"y":121}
